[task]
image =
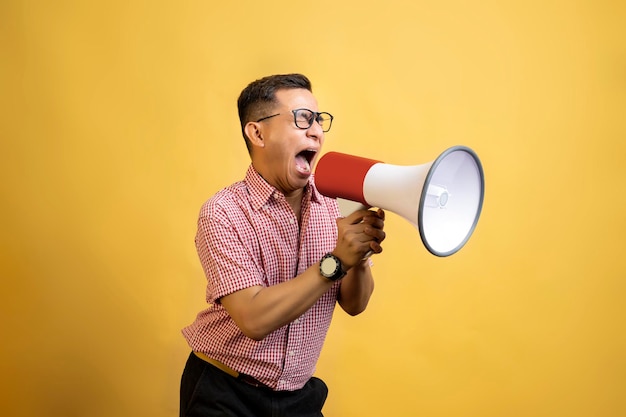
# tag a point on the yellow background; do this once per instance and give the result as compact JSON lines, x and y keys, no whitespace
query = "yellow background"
{"x":118,"y":120}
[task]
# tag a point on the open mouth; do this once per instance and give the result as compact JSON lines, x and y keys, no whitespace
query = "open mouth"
{"x":304,"y":160}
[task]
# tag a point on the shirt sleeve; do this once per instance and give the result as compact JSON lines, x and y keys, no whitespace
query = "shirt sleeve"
{"x":228,"y":252}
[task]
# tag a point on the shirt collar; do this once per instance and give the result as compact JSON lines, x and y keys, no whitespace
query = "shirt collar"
{"x":261,"y":191}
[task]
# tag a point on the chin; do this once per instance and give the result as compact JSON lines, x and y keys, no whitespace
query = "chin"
{"x":301,"y":180}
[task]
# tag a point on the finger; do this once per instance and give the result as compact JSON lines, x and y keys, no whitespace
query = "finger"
{"x":358,"y":216}
{"x":375,"y":247}
{"x":374,"y":221}
{"x":377,"y":234}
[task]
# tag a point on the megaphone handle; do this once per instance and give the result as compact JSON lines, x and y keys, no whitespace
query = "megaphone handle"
{"x":347,"y":207}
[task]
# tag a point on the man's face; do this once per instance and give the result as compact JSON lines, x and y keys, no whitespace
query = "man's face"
{"x":288,"y":152}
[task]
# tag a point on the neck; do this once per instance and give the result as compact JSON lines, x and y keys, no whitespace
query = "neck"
{"x":294,"y":198}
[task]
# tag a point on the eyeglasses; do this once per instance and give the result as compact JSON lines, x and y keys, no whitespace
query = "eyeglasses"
{"x":304,"y":119}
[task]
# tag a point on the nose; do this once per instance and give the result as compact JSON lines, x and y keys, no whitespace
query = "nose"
{"x":315,"y":131}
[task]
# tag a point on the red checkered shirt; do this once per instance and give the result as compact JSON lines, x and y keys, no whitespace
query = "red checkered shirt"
{"x":248,"y":235}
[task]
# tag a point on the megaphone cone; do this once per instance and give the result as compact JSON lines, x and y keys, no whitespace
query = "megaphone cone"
{"x":442,"y":199}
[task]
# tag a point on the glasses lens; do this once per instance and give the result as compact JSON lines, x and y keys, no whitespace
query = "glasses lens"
{"x":304,"y":118}
{"x":325,"y":120}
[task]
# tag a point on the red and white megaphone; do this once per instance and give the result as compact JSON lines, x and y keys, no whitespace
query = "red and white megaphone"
{"x":443,"y":198}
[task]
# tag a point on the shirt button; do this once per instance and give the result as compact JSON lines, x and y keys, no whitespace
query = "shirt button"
{"x":291,"y":221}
{"x":291,"y":353}
{"x":296,"y":321}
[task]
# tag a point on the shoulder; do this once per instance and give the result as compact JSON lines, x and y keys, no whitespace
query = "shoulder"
{"x":227,"y":201}
{"x":227,"y":214}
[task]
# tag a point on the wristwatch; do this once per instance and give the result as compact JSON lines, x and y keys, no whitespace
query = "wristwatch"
{"x":330,"y":267}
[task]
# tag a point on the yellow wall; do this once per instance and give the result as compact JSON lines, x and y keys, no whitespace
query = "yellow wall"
{"x":118,"y":120}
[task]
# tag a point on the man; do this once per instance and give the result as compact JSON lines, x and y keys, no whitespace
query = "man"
{"x":277,"y":257}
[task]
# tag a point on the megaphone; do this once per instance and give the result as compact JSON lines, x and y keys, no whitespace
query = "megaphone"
{"x":442,"y":199}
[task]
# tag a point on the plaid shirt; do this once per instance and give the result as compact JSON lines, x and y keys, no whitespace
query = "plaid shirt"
{"x":248,"y":235}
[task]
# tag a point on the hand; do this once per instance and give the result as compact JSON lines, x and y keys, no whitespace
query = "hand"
{"x":358,"y":234}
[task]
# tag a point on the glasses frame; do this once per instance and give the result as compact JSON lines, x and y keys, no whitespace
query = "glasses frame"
{"x":314,"y":116}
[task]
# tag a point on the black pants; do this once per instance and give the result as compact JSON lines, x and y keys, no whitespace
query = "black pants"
{"x":206,"y":391}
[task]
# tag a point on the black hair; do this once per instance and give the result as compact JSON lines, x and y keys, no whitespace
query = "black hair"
{"x":259,"y":97}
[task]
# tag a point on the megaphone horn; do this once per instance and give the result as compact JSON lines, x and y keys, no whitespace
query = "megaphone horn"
{"x":442,"y":198}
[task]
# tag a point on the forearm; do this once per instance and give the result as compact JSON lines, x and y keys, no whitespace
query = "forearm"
{"x":356,"y":288}
{"x":258,"y":311}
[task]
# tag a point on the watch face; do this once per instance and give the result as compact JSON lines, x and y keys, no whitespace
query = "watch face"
{"x":328,"y":266}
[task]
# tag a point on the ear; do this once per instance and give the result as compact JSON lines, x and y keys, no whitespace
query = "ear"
{"x":254,"y":133}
